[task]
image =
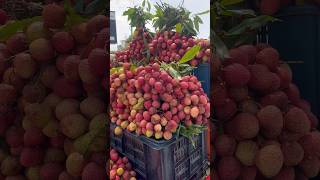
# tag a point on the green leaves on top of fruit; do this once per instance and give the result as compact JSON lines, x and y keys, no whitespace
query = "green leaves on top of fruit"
{"x":190,"y":54}
{"x":12,"y":28}
{"x":177,"y":70}
{"x":137,"y":16}
{"x":191,"y":131}
{"x":167,"y":17}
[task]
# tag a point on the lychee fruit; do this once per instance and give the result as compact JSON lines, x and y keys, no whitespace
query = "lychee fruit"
{"x":269,"y":160}
{"x":236,"y":75}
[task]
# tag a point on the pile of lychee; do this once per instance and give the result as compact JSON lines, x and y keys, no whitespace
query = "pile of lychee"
{"x":264,"y":128}
{"x":52,"y":99}
{"x":167,"y":46}
{"x":150,"y":102}
{"x":120,"y":167}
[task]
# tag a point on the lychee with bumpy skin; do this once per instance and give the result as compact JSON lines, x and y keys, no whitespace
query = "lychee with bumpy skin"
{"x":97,"y":23}
{"x":249,"y":106}
{"x":98,"y":61}
{"x":269,"y":160}
{"x":237,"y":56}
{"x":293,"y":93}
{"x":292,"y":153}
{"x":8,"y":93}
{"x":236,"y":75}
{"x":277,"y":98}
{"x":93,"y":171}
{"x":31,"y":157}
{"x":229,"y":168}
{"x":70,"y":68}
{"x":311,"y":143}
{"x":53,"y":16}
{"x":246,"y":151}
{"x":49,"y":75}
{"x":225,"y":145}
{"x":248,"y":173}
{"x":80,"y":33}
{"x":297,"y":121}
{"x":251,"y":51}
{"x":269,"y":7}
{"x":246,"y":126}
{"x":226,"y":111}
{"x":287,"y":173}
{"x":285,"y":75}
{"x":36,"y":30}
{"x":41,"y":50}
{"x":62,"y":42}
{"x":85,"y":73}
{"x":219,"y":93}
{"x":74,"y":125}
{"x":34,"y":93}
{"x":92,"y":106}
{"x":310,"y":165}
{"x":271,"y":121}
{"x":24,"y":66}
{"x":268,"y":57}
{"x":17,"y":43}
{"x":62,"y":87}
{"x":262,"y":79}
{"x":238,"y":93}
{"x":66,"y":107}
{"x":50,"y":171}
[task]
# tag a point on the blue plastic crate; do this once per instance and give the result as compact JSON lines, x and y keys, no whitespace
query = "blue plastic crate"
{"x":175,"y":159}
{"x":202,"y":72}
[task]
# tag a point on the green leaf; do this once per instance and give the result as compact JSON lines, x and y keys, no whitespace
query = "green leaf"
{"x":220,"y":48}
{"x":179,"y":28}
{"x":197,"y":20}
{"x":172,"y":71}
{"x":149,"y":6}
{"x":204,"y":12}
{"x":96,"y":6}
{"x":230,"y":2}
{"x":190,"y":54}
{"x":73,"y":18}
{"x":239,"y":12}
{"x":250,"y":24}
{"x":143,"y":3}
{"x":10,"y":29}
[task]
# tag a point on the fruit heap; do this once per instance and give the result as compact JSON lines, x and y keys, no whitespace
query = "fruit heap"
{"x":266,"y":130}
{"x":120,"y":168}
{"x":149,"y":101}
{"x":166,"y":47}
{"x":52,"y":100}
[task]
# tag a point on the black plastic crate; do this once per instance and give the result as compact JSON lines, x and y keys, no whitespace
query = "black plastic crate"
{"x":175,"y":159}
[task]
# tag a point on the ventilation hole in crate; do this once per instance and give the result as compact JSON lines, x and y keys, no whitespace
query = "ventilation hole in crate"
{"x":140,"y":166}
{"x":138,"y":146}
{"x":181,"y":171}
{"x":180,"y":154}
{"x":139,"y":156}
{"x":195,"y":160}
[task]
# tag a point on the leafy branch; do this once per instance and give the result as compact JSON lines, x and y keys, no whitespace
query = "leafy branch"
{"x":190,"y":131}
{"x":233,"y":25}
{"x":167,"y":17}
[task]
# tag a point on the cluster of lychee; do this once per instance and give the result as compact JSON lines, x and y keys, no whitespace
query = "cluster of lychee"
{"x":120,"y":167}
{"x":149,"y":101}
{"x":167,"y":47}
{"x":52,"y":100}
{"x":268,"y":130}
